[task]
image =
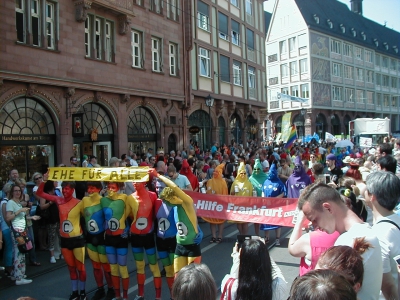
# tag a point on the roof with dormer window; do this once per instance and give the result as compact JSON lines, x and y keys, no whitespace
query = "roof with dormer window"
{"x":339,"y":13}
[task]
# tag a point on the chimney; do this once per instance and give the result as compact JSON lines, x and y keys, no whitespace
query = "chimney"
{"x":356,"y":6}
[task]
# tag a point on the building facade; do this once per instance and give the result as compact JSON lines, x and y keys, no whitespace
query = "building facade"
{"x":90,"y":77}
{"x":228,"y":65}
{"x":347,"y":67}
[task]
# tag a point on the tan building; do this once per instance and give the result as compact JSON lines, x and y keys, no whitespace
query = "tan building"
{"x":101,"y":77}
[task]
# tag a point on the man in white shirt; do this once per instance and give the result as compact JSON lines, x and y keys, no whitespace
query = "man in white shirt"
{"x":382,"y":195}
{"x":323,"y":206}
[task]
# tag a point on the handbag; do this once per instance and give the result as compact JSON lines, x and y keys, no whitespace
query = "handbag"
{"x":22,"y":238}
{"x":227,"y":289}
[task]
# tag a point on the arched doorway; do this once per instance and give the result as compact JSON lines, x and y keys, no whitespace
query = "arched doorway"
{"x":251,"y":128}
{"x":142,"y":130}
{"x":202,"y":120}
{"x":172,"y":143}
{"x":320,"y":125}
{"x":346,"y":121}
{"x":28,"y":137}
{"x":335,"y":122}
{"x":236,"y":129}
{"x":278,"y":125}
{"x":299,"y":122}
{"x":221,"y":130}
{"x":95,"y":119}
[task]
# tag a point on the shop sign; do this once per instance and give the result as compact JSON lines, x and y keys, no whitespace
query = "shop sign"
{"x":194,"y":129}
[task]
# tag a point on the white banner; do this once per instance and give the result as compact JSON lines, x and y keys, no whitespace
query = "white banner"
{"x":285,"y":97}
{"x":365,"y":142}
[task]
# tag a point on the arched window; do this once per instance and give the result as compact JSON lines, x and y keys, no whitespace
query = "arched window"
{"x":236,"y":130}
{"x":201,"y":119}
{"x":94,"y":116}
{"x":142,"y":130}
{"x":221,"y":130}
{"x":299,"y":122}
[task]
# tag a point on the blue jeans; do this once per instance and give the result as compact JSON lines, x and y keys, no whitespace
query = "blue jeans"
{"x":8,"y":248}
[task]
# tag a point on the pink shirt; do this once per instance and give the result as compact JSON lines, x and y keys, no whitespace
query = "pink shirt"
{"x":319,"y":242}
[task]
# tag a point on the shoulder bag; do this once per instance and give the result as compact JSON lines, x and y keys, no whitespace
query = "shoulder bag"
{"x":22,"y":238}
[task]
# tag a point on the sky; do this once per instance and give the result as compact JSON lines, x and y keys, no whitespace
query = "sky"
{"x":378,"y":11}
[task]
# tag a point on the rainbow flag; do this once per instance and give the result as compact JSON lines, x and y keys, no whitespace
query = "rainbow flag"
{"x":292,"y":137}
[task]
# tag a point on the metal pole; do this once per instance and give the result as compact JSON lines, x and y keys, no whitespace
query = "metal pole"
{"x":209,"y":138}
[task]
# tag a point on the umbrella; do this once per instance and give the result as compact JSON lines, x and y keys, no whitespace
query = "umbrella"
{"x":344,"y":143}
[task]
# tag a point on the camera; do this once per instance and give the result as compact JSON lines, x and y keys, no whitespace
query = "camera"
{"x":242,"y":237}
{"x":397,"y":259}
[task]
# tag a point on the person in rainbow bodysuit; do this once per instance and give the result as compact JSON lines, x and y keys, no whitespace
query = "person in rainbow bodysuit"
{"x":72,"y":239}
{"x":257,"y":179}
{"x":166,"y":234}
{"x":116,"y":207}
{"x":142,"y":237}
{"x":95,"y":225}
{"x":241,"y":186}
{"x":189,"y":235}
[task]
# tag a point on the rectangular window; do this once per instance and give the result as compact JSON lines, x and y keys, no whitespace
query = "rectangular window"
{"x":20,"y":20}
{"x":395,"y":102}
{"x":172,"y":10}
{"x":378,"y":79}
{"x":360,"y":96}
{"x":359,"y":74}
{"x":50,"y":22}
{"x":173,"y":59}
{"x":358,"y":53}
{"x":235,"y":32}
{"x":337,"y":93}
{"x":202,"y":15}
{"x":224,"y":68}
{"x":336,"y":47}
{"x":377,"y":60}
{"x":250,"y":39}
{"x":369,"y":76}
{"x":137,"y":50}
{"x":305,"y":91}
{"x":379,"y":99}
{"x":370,"y":97}
{"x":394,"y":82}
{"x":302,"y":41}
{"x":249,"y":7}
{"x":348,"y":95}
{"x":347,"y":50}
{"x":98,"y":38}
{"x":392,"y":64}
{"x":368,"y":56}
{"x":336,"y":69}
{"x":285,"y":90}
{"x":155,"y":6}
{"x":223,"y":26}
{"x":237,"y":73}
{"x":235,"y":3}
{"x":386,"y":100}
{"x":88,"y":47}
{"x":303,"y":66}
{"x":156,"y":57}
{"x":204,"y":62}
{"x":292,"y":44}
{"x":348,"y":72}
{"x":385,"y":62}
{"x":108,"y":42}
{"x":251,"y":77}
{"x":35,"y":21}
{"x":294,"y":70}
{"x":385,"y":80}
{"x":294,"y":91}
{"x":282,"y":47}
{"x":284,"y":70}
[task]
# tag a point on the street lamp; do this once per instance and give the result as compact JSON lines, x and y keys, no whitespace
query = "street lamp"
{"x":209,"y":103}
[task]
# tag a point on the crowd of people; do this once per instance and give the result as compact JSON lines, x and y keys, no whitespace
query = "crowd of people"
{"x":349,"y":195}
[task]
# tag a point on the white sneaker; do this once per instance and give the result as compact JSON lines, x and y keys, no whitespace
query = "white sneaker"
{"x":277,"y":243}
{"x":52,"y":260}
{"x":23,"y":281}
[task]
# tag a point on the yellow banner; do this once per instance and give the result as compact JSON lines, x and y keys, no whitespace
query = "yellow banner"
{"x":286,"y":126}
{"x":134,"y":174}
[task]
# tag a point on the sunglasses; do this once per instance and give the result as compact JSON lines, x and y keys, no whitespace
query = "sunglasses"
{"x":37,"y":178}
